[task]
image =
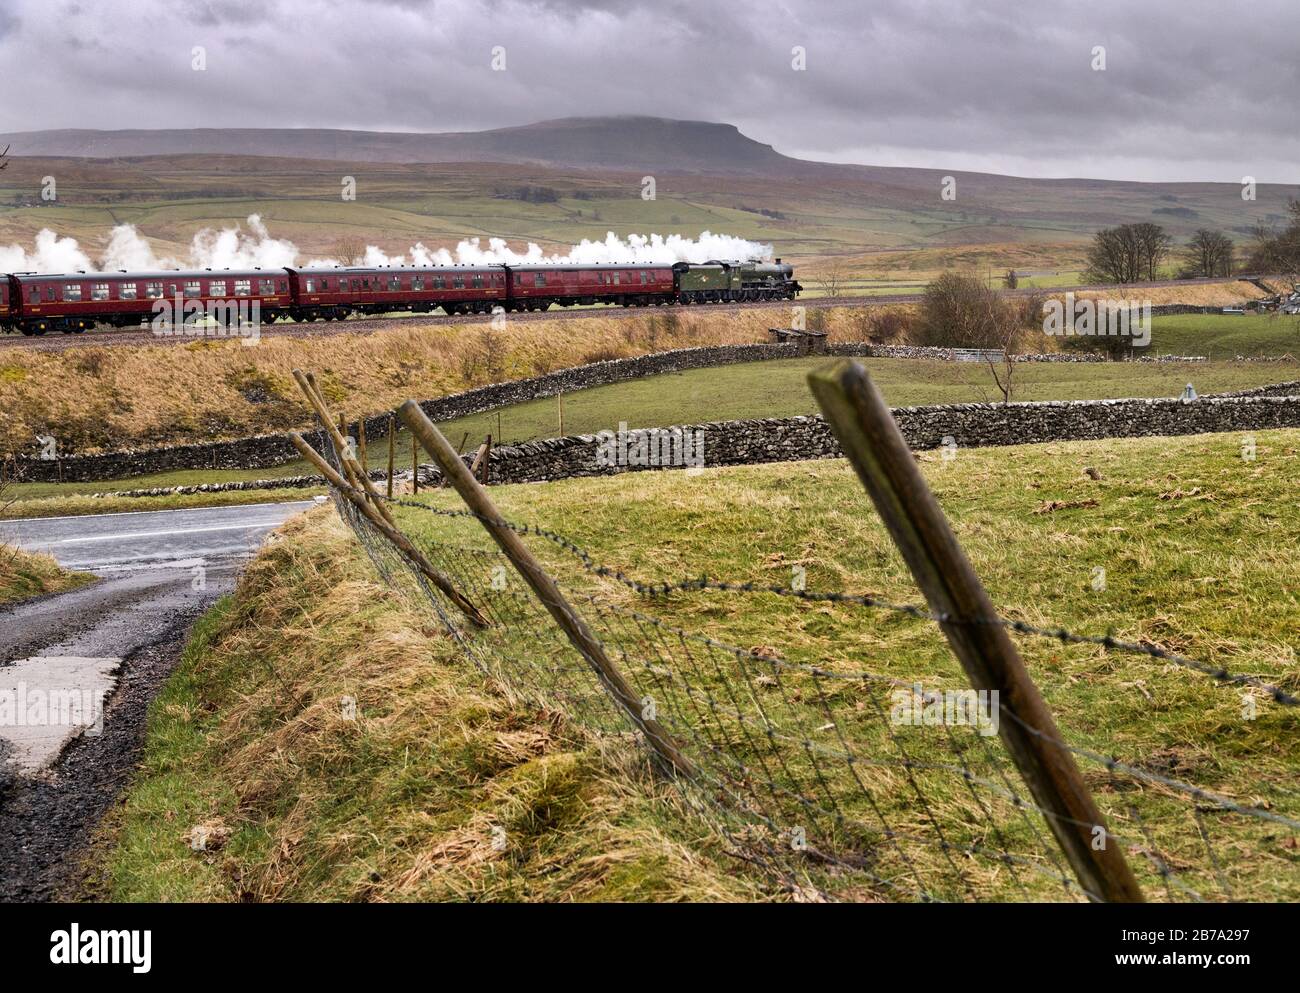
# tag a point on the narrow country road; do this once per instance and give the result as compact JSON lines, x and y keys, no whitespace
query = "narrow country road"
{"x":109,"y":647}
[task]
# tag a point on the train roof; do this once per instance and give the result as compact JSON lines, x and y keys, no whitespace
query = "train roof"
{"x":571,"y":266}
{"x":485,"y":267}
{"x":158,"y":274}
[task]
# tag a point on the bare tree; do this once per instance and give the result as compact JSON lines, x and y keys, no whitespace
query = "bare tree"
{"x":1209,"y":253}
{"x":4,"y":159}
{"x":960,"y":311}
{"x":1278,"y":251}
{"x":1153,"y":244}
{"x":1128,"y":253}
{"x":349,"y":250}
{"x":831,"y":276}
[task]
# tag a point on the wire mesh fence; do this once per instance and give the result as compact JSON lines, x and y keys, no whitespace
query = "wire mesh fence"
{"x":839,"y":779}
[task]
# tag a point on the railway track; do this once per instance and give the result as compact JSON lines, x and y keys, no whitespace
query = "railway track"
{"x":293,"y":329}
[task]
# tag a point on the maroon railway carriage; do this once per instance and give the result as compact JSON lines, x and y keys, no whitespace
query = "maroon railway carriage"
{"x":73,"y":302}
{"x":331,"y":294}
{"x":536,"y":287}
{"x":8,"y":287}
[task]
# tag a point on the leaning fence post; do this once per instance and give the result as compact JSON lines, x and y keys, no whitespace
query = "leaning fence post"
{"x":389,"y":531}
{"x":879,"y":454}
{"x":574,"y":627}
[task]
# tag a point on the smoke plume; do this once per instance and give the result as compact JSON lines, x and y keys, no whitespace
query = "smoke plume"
{"x":253,"y":246}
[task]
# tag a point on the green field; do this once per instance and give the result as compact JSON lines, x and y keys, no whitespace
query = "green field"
{"x":1197,"y":552}
{"x":1226,"y":336}
{"x":779,"y":389}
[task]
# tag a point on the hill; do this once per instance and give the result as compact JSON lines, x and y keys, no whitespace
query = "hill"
{"x":558,"y":182}
{"x":623,"y":143}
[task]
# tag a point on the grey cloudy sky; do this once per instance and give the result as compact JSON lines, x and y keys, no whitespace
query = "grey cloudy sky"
{"x":1191,"y":89}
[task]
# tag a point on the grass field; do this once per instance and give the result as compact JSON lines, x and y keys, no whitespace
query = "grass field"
{"x":1226,"y":336}
{"x":780,"y":389}
{"x":400,"y":804}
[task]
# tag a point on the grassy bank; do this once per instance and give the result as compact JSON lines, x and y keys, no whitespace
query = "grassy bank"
{"x":250,"y":740}
{"x":91,"y":398}
{"x":73,"y":505}
{"x":24,"y":575}
{"x":249,"y":737}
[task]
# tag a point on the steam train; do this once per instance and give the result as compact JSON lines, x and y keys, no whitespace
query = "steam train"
{"x":73,"y":302}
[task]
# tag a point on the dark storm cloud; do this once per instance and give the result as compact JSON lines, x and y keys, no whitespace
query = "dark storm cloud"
{"x":1191,"y":89}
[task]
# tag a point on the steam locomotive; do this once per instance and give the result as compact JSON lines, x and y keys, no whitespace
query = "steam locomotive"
{"x":73,"y":302}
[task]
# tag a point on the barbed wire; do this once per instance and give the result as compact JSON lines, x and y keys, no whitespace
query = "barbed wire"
{"x":690,"y":584}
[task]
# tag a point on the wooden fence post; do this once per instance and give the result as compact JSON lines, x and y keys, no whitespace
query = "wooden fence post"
{"x":535,"y":575}
{"x":403,"y":543}
{"x":354,"y":473}
{"x":879,"y":454}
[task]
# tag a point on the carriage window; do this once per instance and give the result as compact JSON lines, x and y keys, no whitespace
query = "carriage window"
{"x":478,"y":280}
{"x":126,"y":291}
{"x":153,"y":291}
{"x":36,"y":294}
{"x":266,"y":287}
{"x":216,"y":287}
{"x":541,"y":279}
{"x":417,"y":282}
{"x":458,"y":282}
{"x":394,"y":283}
{"x":192,"y":288}
{"x":284,"y":286}
{"x":615,"y":279}
{"x":311,"y":286}
{"x":243,"y":287}
{"x":99,"y":291}
{"x":71,"y":291}
{"x":645,"y":277}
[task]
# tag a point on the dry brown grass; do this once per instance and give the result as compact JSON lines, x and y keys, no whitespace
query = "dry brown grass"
{"x":95,"y":399}
{"x":1232,"y":291}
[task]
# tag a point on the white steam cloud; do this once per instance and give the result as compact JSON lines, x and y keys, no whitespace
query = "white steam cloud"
{"x":239,"y":248}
